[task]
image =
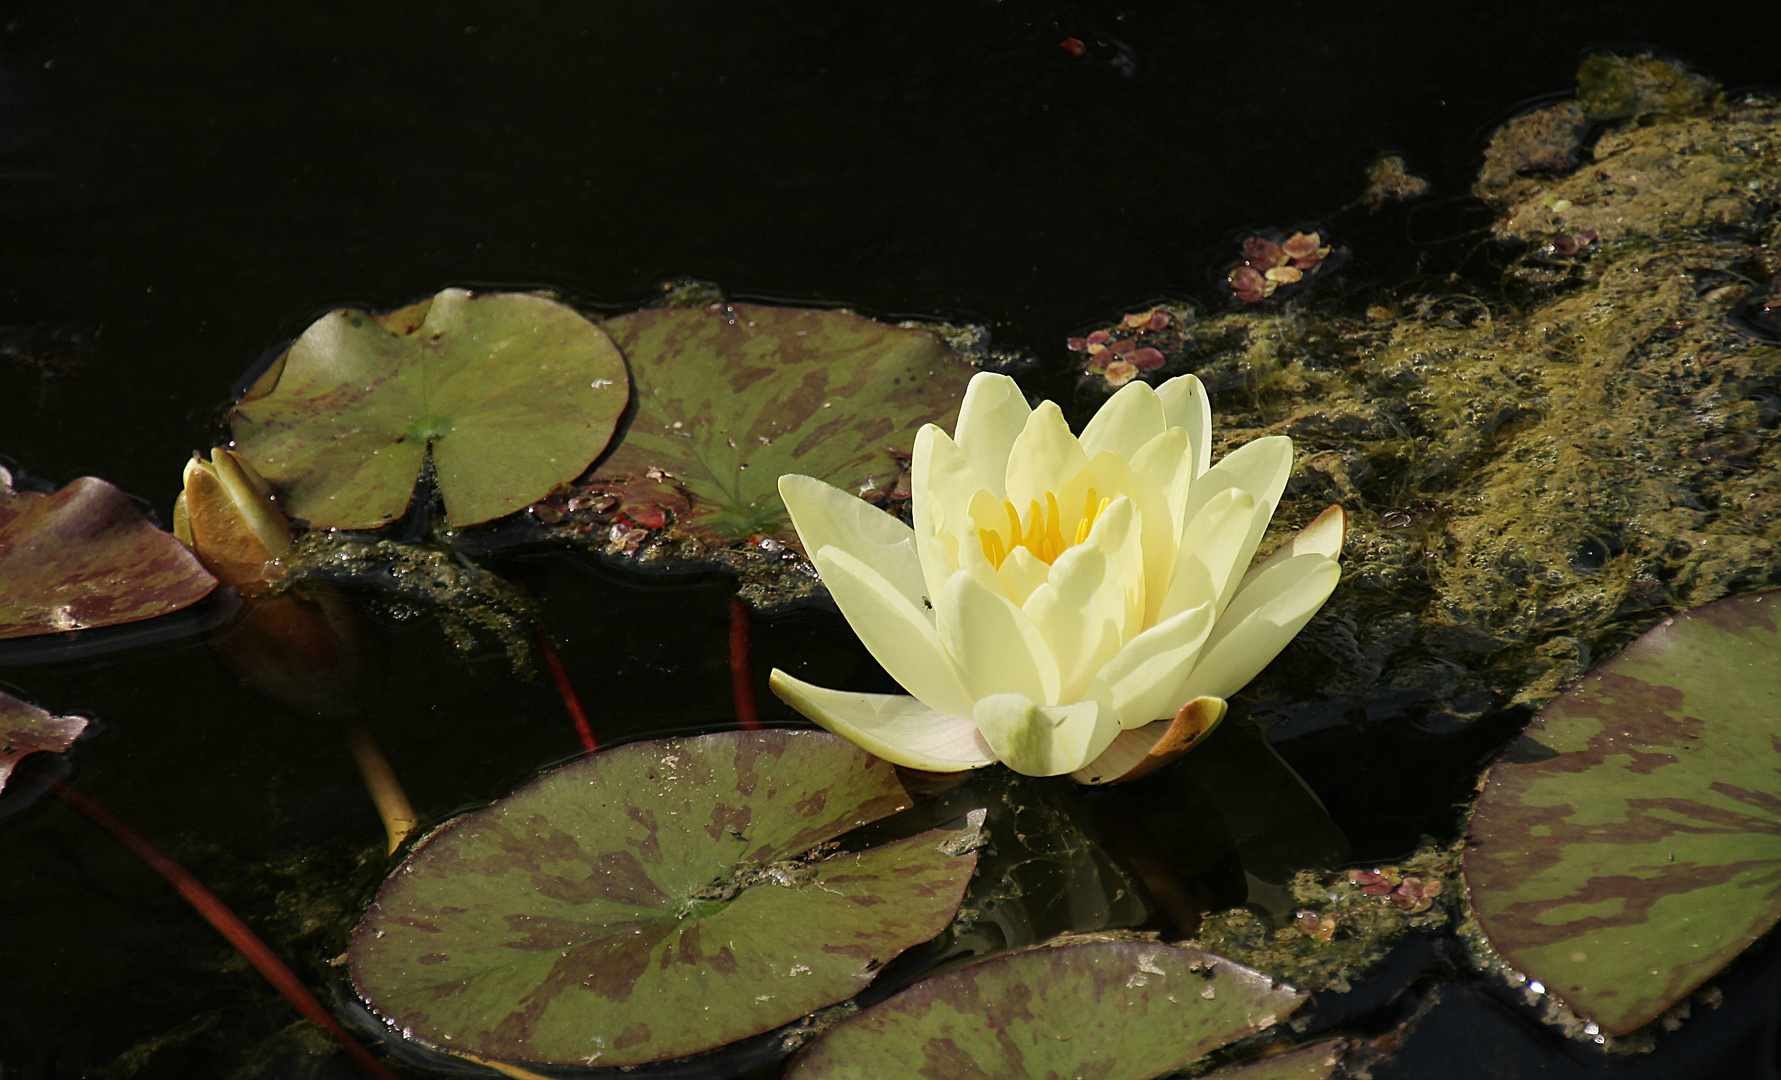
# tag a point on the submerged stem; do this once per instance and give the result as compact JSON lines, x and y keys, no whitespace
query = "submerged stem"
{"x":566,"y":689}
{"x":742,"y":666}
{"x":226,"y":922}
{"x":380,"y":781}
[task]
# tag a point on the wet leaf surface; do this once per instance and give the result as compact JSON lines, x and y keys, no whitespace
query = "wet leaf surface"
{"x":85,"y":556}
{"x":1315,"y":1062}
{"x":651,"y":902}
{"x":26,"y":729}
{"x":732,"y":397}
{"x":1630,"y":845}
{"x":513,"y":393}
{"x":1113,"y":1010}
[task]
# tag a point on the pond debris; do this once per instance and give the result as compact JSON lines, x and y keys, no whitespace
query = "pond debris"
{"x":469,"y":602}
{"x":1389,"y":179}
{"x":1343,"y":924}
{"x":1600,"y":437}
{"x":1281,"y":265}
{"x":1138,"y":343}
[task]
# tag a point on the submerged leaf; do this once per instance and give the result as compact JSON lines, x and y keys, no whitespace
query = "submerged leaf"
{"x":26,"y":729}
{"x":653,"y":901}
{"x":84,"y":556}
{"x":1125,"y":1010}
{"x":513,"y":393}
{"x":730,"y":398}
{"x":1633,"y":847}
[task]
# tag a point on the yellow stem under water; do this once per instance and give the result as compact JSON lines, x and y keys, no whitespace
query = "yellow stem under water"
{"x":380,"y":781}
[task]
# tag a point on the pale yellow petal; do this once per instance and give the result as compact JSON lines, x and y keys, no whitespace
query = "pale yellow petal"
{"x":1211,"y":547}
{"x":1259,"y":468}
{"x":1022,"y":572}
{"x":995,"y":648}
{"x":1187,"y":405}
{"x":1322,"y":537}
{"x":826,"y":516}
{"x":990,"y":419}
{"x":1119,"y":531}
{"x":1259,"y":622}
{"x":898,"y":729}
{"x":942,"y":482}
{"x":1161,"y":470}
{"x":1081,"y":612}
{"x":1045,"y":455}
{"x":899,"y":634}
{"x":1143,"y":682}
{"x":1044,"y":740}
{"x":1166,"y":464}
{"x":1125,"y":422}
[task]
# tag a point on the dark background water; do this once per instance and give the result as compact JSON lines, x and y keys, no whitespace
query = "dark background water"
{"x":184,"y":186}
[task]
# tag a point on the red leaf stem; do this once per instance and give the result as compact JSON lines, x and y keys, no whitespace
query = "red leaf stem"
{"x":742,"y":667}
{"x":567,"y":690}
{"x":264,"y":960}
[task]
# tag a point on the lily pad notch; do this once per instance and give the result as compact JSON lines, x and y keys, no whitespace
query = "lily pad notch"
{"x":510,"y":393}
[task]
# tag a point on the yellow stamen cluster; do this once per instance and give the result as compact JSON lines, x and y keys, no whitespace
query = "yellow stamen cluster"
{"x":1042,"y":532}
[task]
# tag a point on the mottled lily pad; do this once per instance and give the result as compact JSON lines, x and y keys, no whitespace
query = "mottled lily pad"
{"x":1630,"y":845}
{"x":512,"y":393}
{"x":731,"y":397}
{"x":1315,"y":1062}
{"x":84,"y":556}
{"x":1113,"y":1010}
{"x":26,"y":729}
{"x":654,"y":900}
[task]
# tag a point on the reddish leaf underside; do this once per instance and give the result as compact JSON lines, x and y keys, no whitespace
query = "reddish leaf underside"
{"x":561,"y":926}
{"x":84,"y":556}
{"x":1643,"y":852}
{"x":731,"y":397}
{"x":1111,"y":1010}
{"x":26,"y":729}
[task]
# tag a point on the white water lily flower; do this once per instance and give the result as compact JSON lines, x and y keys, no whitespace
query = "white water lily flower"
{"x":1061,"y":599}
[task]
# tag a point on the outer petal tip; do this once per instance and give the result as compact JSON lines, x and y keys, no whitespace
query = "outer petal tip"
{"x":895,"y":727}
{"x":1140,"y":752}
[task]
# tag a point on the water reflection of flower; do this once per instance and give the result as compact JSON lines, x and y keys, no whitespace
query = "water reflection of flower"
{"x":1060,"y":599}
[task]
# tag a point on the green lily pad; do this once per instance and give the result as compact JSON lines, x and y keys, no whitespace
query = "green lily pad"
{"x":26,"y":729}
{"x":1630,"y":846}
{"x":1113,"y":1010}
{"x":731,"y":397}
{"x":84,"y":556}
{"x":654,"y":900}
{"x":513,"y":394}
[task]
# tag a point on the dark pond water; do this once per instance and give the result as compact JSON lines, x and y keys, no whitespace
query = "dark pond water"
{"x":185,"y":186}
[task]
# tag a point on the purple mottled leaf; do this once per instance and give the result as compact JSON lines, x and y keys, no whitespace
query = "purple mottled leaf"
{"x":512,"y":393}
{"x":1630,"y":846}
{"x":653,"y":901}
{"x":26,"y":729}
{"x":730,"y":398}
{"x":1111,"y":1010}
{"x":84,"y":556}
